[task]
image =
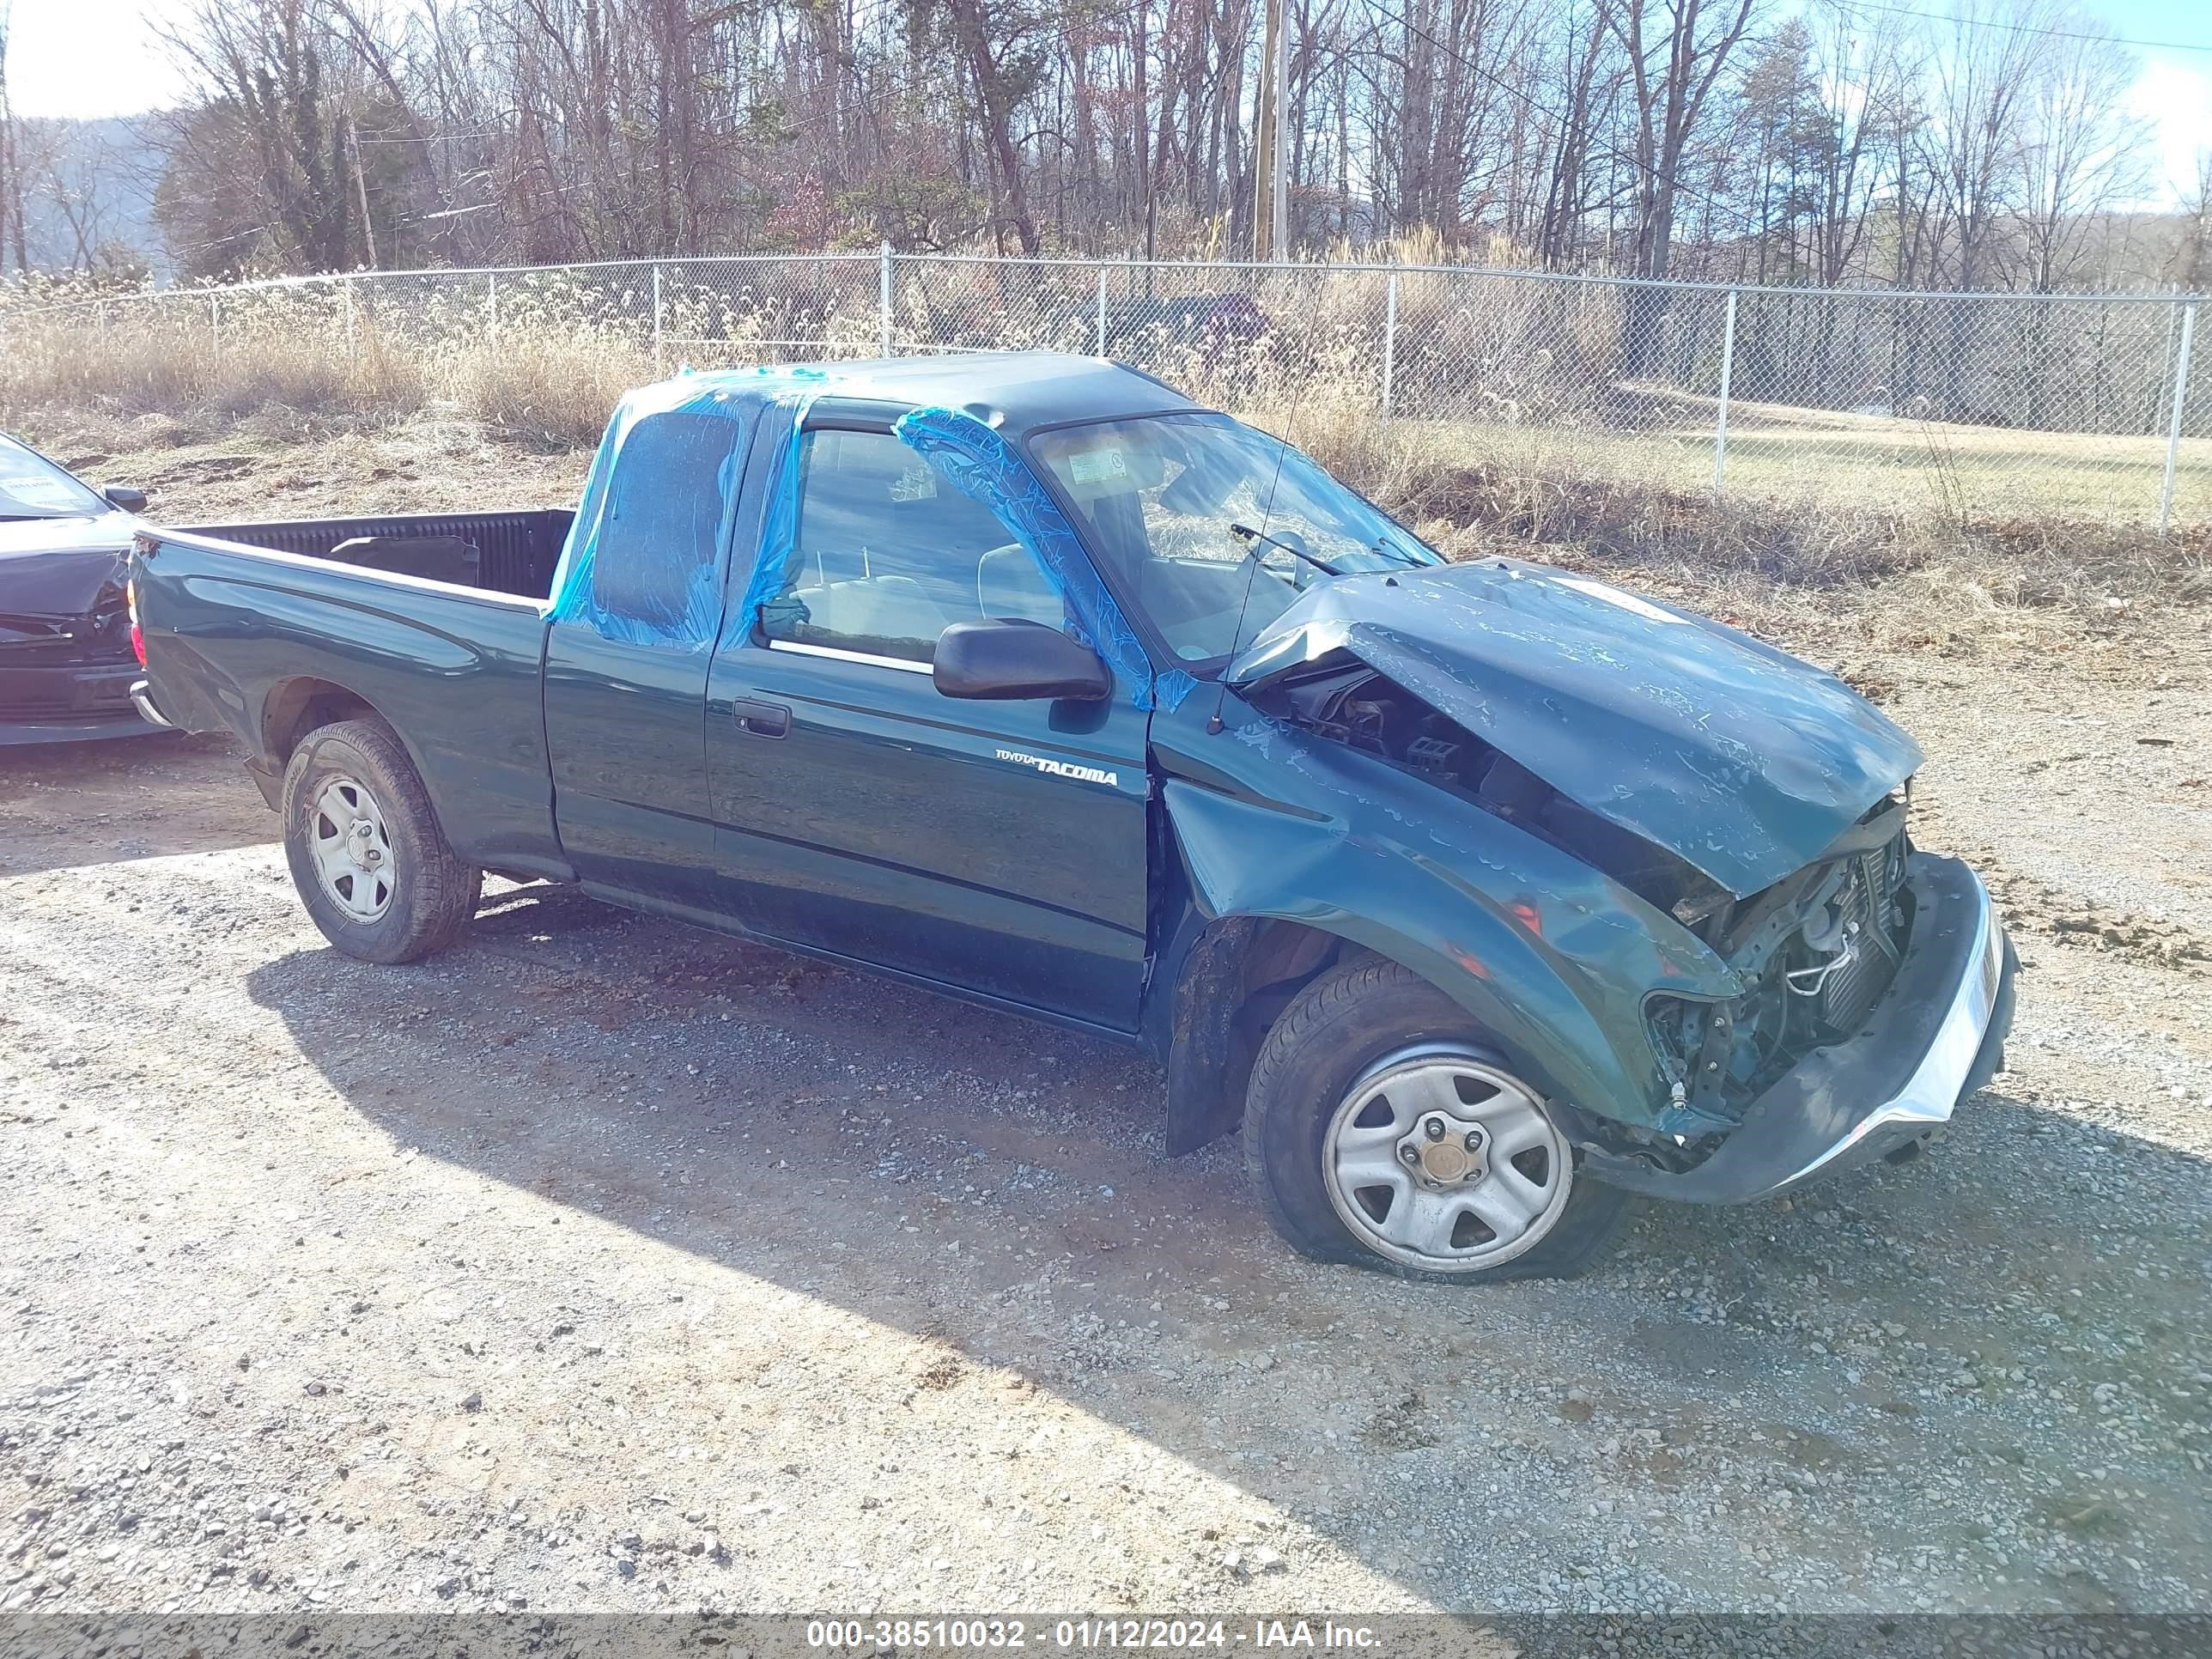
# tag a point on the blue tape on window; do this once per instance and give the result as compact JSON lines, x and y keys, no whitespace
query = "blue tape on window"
{"x":984,"y":467}
{"x":644,"y":560}
{"x":780,"y":522}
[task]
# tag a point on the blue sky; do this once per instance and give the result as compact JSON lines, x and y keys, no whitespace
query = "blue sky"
{"x":2176,"y":88}
{"x":101,"y":57}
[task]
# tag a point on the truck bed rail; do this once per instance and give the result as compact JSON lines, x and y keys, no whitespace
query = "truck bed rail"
{"x":517,"y":551}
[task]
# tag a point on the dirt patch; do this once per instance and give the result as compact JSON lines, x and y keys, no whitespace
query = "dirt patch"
{"x":2069,"y":919}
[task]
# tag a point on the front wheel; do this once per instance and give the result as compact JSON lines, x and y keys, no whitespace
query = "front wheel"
{"x":367,"y":854}
{"x":1380,"y":1130}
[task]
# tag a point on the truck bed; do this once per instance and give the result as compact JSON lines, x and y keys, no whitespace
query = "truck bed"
{"x":516,"y":552}
{"x":258,"y":629}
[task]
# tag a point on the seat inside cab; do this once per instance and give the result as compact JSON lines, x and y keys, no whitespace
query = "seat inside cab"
{"x":889,"y":555}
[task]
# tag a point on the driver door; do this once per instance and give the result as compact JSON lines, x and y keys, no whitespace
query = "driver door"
{"x":994,"y":848}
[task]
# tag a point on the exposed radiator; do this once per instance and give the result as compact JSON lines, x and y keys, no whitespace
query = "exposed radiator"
{"x":1870,"y":912}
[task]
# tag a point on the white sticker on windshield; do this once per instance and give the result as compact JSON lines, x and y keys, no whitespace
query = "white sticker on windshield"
{"x":1629,"y":602}
{"x":44,"y":492}
{"x":1091,"y":467}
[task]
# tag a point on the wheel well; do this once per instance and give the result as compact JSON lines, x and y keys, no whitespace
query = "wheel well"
{"x":298,"y":706}
{"x":1282,"y":959}
{"x":1238,"y":975}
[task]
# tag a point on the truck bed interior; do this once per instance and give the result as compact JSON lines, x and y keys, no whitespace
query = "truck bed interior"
{"x":503,"y":552}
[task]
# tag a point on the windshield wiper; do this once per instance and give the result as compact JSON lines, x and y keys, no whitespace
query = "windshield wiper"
{"x":1384,"y":544}
{"x":1245,"y":533}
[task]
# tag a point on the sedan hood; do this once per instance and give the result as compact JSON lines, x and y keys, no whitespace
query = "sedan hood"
{"x":1740,"y":759}
{"x":57,"y":567}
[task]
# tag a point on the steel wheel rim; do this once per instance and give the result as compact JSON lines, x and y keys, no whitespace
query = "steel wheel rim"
{"x":1433,"y":1214}
{"x":351,"y":850}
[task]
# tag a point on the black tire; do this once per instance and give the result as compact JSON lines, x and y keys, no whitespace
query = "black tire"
{"x":1334,"y":1034}
{"x":429,"y":893}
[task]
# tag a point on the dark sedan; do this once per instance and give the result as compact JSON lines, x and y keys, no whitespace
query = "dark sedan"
{"x":66,"y":664}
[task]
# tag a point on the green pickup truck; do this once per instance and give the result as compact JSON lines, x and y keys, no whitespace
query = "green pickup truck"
{"x":1481,"y":896}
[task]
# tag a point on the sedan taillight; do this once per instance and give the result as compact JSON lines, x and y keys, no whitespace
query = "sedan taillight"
{"x":137,"y":639}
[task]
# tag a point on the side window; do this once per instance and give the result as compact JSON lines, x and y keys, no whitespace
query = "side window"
{"x":657,"y":545}
{"x":887,"y":554}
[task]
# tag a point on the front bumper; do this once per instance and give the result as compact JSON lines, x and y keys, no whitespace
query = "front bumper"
{"x":1934,"y":1037}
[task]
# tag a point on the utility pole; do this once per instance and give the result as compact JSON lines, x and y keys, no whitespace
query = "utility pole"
{"x":1270,"y":199}
{"x":361,"y":189}
{"x":1143,"y":129}
{"x":1279,"y":217}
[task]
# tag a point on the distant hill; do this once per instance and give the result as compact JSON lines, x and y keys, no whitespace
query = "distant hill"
{"x":88,"y":190}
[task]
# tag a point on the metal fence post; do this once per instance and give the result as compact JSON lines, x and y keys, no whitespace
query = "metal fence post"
{"x":883,"y":299}
{"x":346,"y":288}
{"x":491,"y":304}
{"x":1390,"y":342}
{"x":2165,"y":356}
{"x":656,"y":319}
{"x":214,"y":322}
{"x":2173,"y":425}
{"x":1102,"y":311}
{"x":1728,"y":373}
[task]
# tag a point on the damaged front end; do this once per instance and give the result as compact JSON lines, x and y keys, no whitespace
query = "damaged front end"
{"x":1850,"y":989}
{"x":1814,"y":952}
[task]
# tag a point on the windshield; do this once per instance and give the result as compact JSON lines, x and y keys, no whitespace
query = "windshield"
{"x":32,"y":487}
{"x":1161,"y":498}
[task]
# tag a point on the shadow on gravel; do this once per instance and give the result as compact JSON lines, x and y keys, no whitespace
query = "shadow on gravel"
{"x":997,"y":1189}
{"x":64,"y":804}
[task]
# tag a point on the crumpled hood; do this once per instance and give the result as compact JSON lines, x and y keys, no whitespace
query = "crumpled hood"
{"x":1735,"y":758}
{"x":57,"y":567}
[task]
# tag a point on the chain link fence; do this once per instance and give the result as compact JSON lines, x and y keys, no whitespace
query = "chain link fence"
{"x":1993,"y":406}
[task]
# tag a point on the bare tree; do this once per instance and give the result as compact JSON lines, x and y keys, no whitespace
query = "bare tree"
{"x":11,"y":178}
{"x":1655,"y":138}
{"x":1982,"y":86}
{"x":1864,"y":71}
{"x":2082,"y":150}
{"x":2192,"y":260}
{"x":1677,"y":52}
{"x":66,"y":168}
{"x":275,"y":70}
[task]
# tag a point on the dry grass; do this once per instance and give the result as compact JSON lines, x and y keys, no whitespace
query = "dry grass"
{"x":546,"y":377}
{"x":1913,"y":563}
{"x":1893,"y":572}
{"x":556,"y":388}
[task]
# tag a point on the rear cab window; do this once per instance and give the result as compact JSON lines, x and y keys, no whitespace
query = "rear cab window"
{"x":657,"y":561}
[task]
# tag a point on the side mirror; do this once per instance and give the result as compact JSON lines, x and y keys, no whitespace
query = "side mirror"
{"x":122,"y":495}
{"x":1005,"y":659}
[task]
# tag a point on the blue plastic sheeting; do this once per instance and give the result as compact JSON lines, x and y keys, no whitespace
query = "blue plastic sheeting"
{"x":780,"y":522}
{"x":984,"y":467}
{"x":644,"y":559}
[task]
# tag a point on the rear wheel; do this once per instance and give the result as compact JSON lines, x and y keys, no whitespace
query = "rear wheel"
{"x":1380,"y":1130}
{"x":366,"y":850}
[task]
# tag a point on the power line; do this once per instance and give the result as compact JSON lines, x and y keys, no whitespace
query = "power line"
{"x":2030,"y":29}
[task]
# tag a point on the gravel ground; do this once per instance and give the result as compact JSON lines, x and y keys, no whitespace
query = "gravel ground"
{"x":601,"y":1264}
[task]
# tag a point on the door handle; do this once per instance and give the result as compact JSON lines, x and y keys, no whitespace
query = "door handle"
{"x":762,"y":719}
